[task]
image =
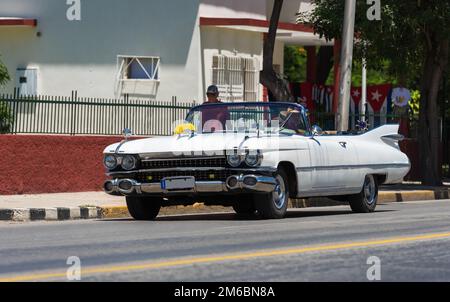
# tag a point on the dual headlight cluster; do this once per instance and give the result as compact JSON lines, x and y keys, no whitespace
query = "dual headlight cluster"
{"x":127,"y":162}
{"x":251,"y":159}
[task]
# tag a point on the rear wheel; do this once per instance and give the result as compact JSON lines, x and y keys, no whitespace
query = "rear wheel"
{"x":274,"y":205}
{"x":143,"y":208}
{"x":366,"y":201}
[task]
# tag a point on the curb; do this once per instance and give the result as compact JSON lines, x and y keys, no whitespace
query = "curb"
{"x":50,"y":214}
{"x":111,"y":212}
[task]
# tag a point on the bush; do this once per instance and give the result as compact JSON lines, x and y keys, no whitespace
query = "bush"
{"x":6,"y":118}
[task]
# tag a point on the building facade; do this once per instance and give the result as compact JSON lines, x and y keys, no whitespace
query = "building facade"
{"x":154,"y":49}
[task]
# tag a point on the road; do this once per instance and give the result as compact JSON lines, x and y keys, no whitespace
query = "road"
{"x":411,"y":241}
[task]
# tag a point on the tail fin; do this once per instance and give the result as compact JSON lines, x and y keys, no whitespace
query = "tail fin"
{"x":386,"y":133}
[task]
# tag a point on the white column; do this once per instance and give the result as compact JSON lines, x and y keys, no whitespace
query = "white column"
{"x":362,"y":108}
{"x":346,"y":65}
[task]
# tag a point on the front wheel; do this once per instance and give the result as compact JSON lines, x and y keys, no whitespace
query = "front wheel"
{"x":143,"y":208}
{"x":274,"y":205}
{"x":366,"y":201}
{"x":244,"y":207}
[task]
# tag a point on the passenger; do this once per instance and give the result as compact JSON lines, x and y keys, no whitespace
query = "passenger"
{"x":292,"y":120}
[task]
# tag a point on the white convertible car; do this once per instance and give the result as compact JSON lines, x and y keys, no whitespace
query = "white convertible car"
{"x":253,"y":157}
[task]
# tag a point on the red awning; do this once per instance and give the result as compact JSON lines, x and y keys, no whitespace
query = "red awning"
{"x":254,"y":23}
{"x":9,"y":21}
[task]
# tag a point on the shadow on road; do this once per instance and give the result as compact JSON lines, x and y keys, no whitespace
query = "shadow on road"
{"x":292,"y":214}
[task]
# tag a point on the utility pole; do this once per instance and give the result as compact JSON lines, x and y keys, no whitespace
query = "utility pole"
{"x":346,"y":66}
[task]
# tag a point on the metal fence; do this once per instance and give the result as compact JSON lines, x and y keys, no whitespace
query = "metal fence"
{"x":89,"y":116}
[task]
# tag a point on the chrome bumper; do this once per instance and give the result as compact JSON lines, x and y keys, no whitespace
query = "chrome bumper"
{"x":237,"y":183}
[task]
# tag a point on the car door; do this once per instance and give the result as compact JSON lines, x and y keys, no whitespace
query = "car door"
{"x":333,"y":159}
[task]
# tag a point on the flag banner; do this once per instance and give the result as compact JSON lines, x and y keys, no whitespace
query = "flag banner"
{"x":306,"y":90}
{"x":356,"y":97}
{"x":323,"y":97}
{"x":377,"y":98}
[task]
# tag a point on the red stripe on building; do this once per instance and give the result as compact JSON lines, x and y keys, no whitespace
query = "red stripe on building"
{"x":18,"y":22}
{"x":204,"y":21}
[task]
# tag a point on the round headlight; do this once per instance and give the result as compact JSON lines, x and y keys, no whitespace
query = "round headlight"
{"x":234,"y":160}
{"x":110,"y":162}
{"x":128,"y":162}
{"x":253,"y":159}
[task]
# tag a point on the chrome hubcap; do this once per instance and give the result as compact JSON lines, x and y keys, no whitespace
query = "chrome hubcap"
{"x":370,"y":190}
{"x":279,"y":195}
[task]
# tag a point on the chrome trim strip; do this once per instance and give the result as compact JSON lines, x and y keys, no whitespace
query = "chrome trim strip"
{"x":264,"y":185}
{"x":184,"y":158}
{"x":335,"y":167}
{"x":120,"y":146}
{"x":190,"y":169}
{"x":181,"y":155}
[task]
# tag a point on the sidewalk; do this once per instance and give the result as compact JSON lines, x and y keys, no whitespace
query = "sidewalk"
{"x":86,"y":205}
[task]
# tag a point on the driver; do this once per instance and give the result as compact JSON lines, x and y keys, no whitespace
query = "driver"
{"x":214,"y":117}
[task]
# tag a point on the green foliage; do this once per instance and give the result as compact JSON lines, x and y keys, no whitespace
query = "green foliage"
{"x":399,"y":38}
{"x":6,"y":118}
{"x":415,"y":100}
{"x":4,"y":75}
{"x":295,"y":64}
{"x":376,"y":76}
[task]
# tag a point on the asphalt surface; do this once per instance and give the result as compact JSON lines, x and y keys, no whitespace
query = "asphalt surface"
{"x":411,"y":240}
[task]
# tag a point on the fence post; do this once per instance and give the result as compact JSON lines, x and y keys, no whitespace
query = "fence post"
{"x":174,"y":104}
{"x":125,"y":111}
{"x":72,"y":111}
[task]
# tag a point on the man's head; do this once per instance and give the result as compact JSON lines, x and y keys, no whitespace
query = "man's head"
{"x":212,"y":93}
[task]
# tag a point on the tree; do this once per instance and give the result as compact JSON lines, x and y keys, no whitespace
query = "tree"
{"x":5,"y":114}
{"x":268,"y":77}
{"x":295,"y":64}
{"x":4,"y":76}
{"x":414,"y":36}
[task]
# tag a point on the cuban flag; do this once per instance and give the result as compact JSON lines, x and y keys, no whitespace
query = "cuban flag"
{"x":377,"y":99}
{"x":356,"y":97}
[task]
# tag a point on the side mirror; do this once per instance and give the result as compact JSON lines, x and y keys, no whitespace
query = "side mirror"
{"x":127,"y":133}
{"x":316,"y":130}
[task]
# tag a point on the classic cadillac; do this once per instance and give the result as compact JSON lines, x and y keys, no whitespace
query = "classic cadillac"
{"x":253,"y":157}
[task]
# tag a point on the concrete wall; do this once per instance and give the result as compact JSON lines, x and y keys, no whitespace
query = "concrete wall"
{"x":289,"y":10}
{"x":229,"y":42}
{"x":252,"y":9}
{"x":82,"y":55}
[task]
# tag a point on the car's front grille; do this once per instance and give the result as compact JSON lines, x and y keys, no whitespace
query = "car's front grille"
{"x":211,"y":175}
{"x":185,"y":163}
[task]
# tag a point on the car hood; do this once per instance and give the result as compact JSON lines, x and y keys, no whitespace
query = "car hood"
{"x":214,"y":142}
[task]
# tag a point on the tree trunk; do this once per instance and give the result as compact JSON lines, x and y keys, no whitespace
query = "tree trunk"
{"x":429,"y":138}
{"x":277,"y":86}
{"x":324,"y":64}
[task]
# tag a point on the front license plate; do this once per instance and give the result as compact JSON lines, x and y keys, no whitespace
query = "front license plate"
{"x":178,"y":183}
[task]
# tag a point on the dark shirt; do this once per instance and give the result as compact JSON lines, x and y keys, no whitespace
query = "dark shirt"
{"x":218,"y":113}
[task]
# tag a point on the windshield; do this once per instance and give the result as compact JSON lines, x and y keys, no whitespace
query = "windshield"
{"x":249,"y":117}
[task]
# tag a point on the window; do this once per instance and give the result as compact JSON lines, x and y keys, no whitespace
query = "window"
{"x":145,"y":68}
{"x":137,"y":75}
{"x":236,"y":77}
{"x":139,"y":68}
